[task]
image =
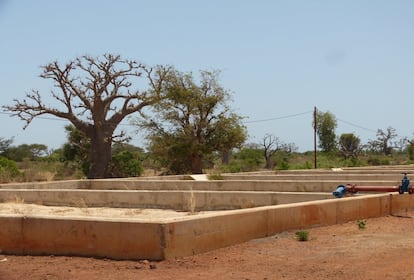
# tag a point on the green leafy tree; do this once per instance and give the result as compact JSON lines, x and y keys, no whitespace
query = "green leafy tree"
{"x":227,"y":139}
{"x":95,"y":94}
{"x":325,"y":127}
{"x":349,"y":145}
{"x":26,"y":151}
{"x":193,"y":122}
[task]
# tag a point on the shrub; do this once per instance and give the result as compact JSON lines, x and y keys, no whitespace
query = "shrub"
{"x":283,"y":165}
{"x":8,"y":170}
{"x":124,"y":164}
{"x":380,"y":160}
{"x":302,"y":235}
{"x":362,"y":224}
{"x":215,"y":177}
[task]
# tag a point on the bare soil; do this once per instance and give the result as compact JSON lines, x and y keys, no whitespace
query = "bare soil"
{"x":383,"y":250}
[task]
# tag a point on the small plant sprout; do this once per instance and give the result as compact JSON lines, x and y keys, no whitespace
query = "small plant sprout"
{"x":362,"y":224}
{"x":302,"y":235}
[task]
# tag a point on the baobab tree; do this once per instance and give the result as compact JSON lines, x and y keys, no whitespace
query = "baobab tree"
{"x":97,"y":93}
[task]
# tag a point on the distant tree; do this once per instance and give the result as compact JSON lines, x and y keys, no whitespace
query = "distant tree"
{"x":26,"y":151}
{"x":325,"y":128}
{"x":272,"y":145}
{"x":401,"y":144}
{"x":349,"y":145}
{"x":410,"y":148}
{"x":229,"y":134}
{"x":5,"y":144}
{"x":194,"y":121}
{"x":95,"y":94}
{"x":383,"y":143}
{"x":249,"y":158}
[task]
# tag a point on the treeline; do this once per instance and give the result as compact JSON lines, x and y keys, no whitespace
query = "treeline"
{"x":35,"y":162}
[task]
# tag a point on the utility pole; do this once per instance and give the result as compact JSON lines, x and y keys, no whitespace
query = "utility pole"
{"x":314,"y":136}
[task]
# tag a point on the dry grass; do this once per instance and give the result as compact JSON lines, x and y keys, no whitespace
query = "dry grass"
{"x":15,"y":199}
{"x":191,"y":203}
{"x":81,"y":204}
{"x":35,"y":175}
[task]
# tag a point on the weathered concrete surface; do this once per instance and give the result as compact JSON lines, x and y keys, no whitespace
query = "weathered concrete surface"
{"x":156,"y":241}
{"x":308,"y":185}
{"x":57,"y":236}
{"x":336,"y":176}
{"x":177,"y":200}
{"x":235,"y":185}
{"x":69,"y":184}
{"x":243,"y":225}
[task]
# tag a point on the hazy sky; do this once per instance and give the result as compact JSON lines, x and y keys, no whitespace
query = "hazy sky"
{"x":279,"y":59}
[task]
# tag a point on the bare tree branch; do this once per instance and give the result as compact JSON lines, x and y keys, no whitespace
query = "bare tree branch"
{"x":97,"y":95}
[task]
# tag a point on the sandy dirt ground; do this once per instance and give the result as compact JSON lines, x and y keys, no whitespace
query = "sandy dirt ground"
{"x":131,"y":214}
{"x":384,"y":249}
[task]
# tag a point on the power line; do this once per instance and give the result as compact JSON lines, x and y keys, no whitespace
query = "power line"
{"x":353,"y":124}
{"x":358,"y":126}
{"x":254,"y":121}
{"x":54,"y":118}
{"x":279,"y":118}
{"x":246,"y":122}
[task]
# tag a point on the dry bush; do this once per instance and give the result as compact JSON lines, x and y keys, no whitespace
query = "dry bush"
{"x":15,"y":199}
{"x":34,"y":175}
{"x":191,"y":203}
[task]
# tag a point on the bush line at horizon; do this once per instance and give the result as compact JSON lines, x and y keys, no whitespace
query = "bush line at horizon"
{"x":49,"y":170}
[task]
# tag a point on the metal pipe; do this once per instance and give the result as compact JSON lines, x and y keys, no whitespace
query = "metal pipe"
{"x":354,"y":188}
{"x":405,"y":186}
{"x":341,"y":190}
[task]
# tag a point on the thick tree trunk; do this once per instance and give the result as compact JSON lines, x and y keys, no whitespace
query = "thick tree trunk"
{"x":269,"y":163}
{"x":225,"y":157}
{"x":100,"y":155}
{"x":196,"y":164}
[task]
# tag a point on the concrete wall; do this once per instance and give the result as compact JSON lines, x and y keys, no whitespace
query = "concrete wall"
{"x":308,"y":185}
{"x":390,"y":169}
{"x":236,"y":185}
{"x":177,"y":200}
{"x":201,"y":235}
{"x":45,"y":236}
{"x":69,"y":184}
{"x":156,"y":241}
{"x":345,"y":177}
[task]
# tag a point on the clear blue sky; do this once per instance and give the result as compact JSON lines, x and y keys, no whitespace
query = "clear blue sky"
{"x":279,"y":59}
